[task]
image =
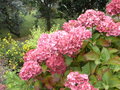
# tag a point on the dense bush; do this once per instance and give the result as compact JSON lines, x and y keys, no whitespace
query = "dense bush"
{"x":11,"y":52}
{"x":84,"y":55}
{"x":10,"y":18}
{"x":15,"y":83}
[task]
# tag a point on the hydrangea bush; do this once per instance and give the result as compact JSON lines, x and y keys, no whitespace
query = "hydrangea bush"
{"x":83,"y":55}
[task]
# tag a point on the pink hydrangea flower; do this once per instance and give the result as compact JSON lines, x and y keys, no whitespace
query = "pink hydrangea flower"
{"x":29,"y":70}
{"x":81,"y":33}
{"x":72,"y":41}
{"x":28,"y":55}
{"x":38,"y":54}
{"x":90,"y":18}
{"x":116,"y":31}
{"x":113,"y":8}
{"x":71,"y":24}
{"x":47,"y":43}
{"x":76,"y":81}
{"x":106,"y":24}
{"x":56,"y":64}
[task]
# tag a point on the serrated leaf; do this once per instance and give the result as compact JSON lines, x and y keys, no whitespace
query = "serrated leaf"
{"x":68,"y":60}
{"x":80,"y":58}
{"x":113,"y":50}
{"x":114,"y":39}
{"x":91,"y":56}
{"x":76,"y":69}
{"x":95,"y":36}
{"x":115,"y":68}
{"x":103,"y":42}
{"x":97,"y":62}
{"x":95,"y":48}
{"x":93,"y":79}
{"x":99,"y":85}
{"x":105,"y":55}
{"x":114,"y":61}
{"x":86,"y":69}
{"x":106,"y":77}
{"x":67,"y":72}
{"x":111,"y":80}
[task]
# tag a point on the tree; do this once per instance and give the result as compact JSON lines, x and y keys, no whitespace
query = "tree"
{"x":45,"y":9}
{"x":70,"y":9}
{"x":10,"y":15}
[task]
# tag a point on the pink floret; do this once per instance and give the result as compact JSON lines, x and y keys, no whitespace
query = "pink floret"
{"x":29,"y":70}
{"x":56,"y":64}
{"x":76,"y":81}
{"x":113,"y":8}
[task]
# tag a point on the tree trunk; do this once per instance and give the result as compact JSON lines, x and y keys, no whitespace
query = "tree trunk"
{"x":48,"y":23}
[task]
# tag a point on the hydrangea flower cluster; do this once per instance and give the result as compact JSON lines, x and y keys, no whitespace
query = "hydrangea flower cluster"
{"x":76,"y":81}
{"x":116,"y":31}
{"x":56,"y":64}
{"x":92,"y":18}
{"x":30,"y":69}
{"x":113,"y":8}
{"x":52,"y":47}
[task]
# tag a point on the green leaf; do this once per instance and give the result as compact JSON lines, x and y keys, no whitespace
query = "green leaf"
{"x":86,"y":69}
{"x":99,"y":85}
{"x":111,"y":80}
{"x":68,"y":60}
{"x":67,"y":89}
{"x":105,"y":86}
{"x":80,"y":58}
{"x":114,"y":61}
{"x":105,"y":55}
{"x":76,"y":69}
{"x":103,"y":42}
{"x":93,"y":79}
{"x":115,"y":68}
{"x":106,"y":77}
{"x":95,"y":48}
{"x":113,"y":50}
{"x":37,"y":85}
{"x":67,"y":72}
{"x":114,"y":82}
{"x":114,"y":39}
{"x":91,"y":56}
{"x":44,"y":68}
{"x":97,"y":62}
{"x":96,"y":36}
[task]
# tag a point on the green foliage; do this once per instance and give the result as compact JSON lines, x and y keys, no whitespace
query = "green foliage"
{"x":68,"y":60}
{"x":13,"y":82}
{"x":46,"y":9}
{"x":12,"y":52}
{"x":35,"y":35}
{"x":76,"y":7}
{"x":105,"y":56}
{"x":10,"y":15}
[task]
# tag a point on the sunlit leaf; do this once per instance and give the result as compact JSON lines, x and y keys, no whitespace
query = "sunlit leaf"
{"x":68,"y":60}
{"x":91,"y":56}
{"x":103,"y":42}
{"x":113,"y":50}
{"x":105,"y":55}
